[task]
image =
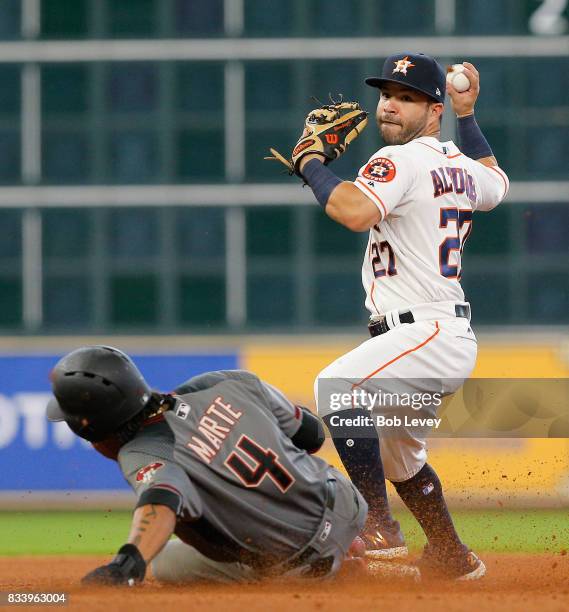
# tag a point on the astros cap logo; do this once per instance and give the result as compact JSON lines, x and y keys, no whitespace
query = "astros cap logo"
{"x":402,"y":65}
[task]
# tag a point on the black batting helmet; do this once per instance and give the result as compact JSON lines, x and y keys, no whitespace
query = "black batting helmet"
{"x":96,"y":389}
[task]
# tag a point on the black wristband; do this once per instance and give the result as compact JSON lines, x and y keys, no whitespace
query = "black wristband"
{"x":471,"y":139}
{"x":131,"y":562}
{"x":321,"y":179}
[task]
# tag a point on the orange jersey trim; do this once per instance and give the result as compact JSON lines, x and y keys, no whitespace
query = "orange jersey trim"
{"x":374,"y":195}
{"x":371,"y":296}
{"x":373,"y":281}
{"x":501,"y":175}
{"x":440,"y":152}
{"x":416,"y":348}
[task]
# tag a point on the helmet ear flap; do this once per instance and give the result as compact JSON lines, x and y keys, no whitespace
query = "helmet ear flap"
{"x":83,"y":429}
{"x":127,"y":432}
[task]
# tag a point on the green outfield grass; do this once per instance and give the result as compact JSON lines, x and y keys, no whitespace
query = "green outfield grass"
{"x":45,"y":533}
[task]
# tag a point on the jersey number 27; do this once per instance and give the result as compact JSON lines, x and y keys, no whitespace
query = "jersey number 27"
{"x":448,"y":246}
{"x":454,"y":243}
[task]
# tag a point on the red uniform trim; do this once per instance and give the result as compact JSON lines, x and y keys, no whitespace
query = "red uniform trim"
{"x":155,"y":419}
{"x":416,"y":348}
{"x":167,"y":487}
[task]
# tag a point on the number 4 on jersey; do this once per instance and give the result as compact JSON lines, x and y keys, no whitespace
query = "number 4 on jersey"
{"x":264,"y":463}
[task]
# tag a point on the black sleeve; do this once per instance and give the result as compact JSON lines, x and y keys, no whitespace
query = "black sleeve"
{"x":161,"y":497}
{"x":310,"y":435}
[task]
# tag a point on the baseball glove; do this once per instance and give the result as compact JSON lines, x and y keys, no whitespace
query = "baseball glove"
{"x":328,"y":131}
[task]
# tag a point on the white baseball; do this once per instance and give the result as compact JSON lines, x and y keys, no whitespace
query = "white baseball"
{"x":457,"y":78}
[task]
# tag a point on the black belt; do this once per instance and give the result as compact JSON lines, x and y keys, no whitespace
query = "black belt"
{"x":330,"y":493}
{"x":378,"y":324}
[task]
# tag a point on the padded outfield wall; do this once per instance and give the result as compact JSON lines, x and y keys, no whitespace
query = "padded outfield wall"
{"x":44,"y":465}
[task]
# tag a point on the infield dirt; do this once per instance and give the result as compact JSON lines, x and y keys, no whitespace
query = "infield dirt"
{"x":514,"y":582}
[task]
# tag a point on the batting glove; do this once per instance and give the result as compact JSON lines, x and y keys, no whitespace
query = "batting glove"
{"x":127,"y":568}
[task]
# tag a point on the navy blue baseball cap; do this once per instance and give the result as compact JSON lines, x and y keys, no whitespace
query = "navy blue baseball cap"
{"x":414,"y":70}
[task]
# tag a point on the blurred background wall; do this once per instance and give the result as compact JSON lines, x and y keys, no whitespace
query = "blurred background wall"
{"x":136,"y":208}
{"x":134,"y":194}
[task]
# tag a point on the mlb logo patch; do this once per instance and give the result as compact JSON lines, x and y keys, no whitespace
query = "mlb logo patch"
{"x":326,"y":531}
{"x":428,"y":488}
{"x":182,"y":410}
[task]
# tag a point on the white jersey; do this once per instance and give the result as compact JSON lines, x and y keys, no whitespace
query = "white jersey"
{"x":426,"y":191}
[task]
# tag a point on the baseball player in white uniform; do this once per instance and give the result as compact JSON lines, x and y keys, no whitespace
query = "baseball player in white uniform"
{"x":416,"y":196}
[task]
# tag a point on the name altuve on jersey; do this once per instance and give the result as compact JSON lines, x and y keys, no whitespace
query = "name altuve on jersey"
{"x":447,"y":179}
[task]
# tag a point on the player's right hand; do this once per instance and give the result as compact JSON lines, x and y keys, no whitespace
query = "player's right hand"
{"x":106,"y":575}
{"x":127,"y":568}
{"x":462,"y":103}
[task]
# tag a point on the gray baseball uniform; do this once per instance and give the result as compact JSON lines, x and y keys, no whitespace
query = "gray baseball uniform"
{"x":249,"y":503}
